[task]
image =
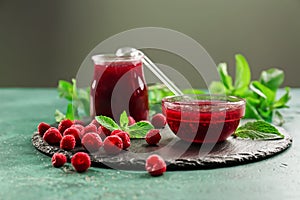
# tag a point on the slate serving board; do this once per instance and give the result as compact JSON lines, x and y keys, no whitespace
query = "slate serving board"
{"x":180,"y":155}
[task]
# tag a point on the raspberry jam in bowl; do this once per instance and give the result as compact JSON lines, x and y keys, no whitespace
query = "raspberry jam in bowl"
{"x":203,"y":118}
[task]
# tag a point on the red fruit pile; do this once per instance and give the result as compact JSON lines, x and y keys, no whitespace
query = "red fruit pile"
{"x":93,"y":137}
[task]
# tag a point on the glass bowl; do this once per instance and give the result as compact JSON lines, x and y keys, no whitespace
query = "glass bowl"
{"x":203,"y":118}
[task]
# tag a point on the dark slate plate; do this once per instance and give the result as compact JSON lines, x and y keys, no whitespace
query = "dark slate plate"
{"x":178,"y":154}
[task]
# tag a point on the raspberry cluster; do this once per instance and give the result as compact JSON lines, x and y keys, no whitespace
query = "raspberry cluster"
{"x":93,"y":137}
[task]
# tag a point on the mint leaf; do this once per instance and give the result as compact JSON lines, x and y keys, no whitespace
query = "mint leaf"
{"x":258,"y":130}
{"x":107,"y":122}
{"x":124,"y":120}
{"x":59,"y":116}
{"x":242,"y":72}
{"x":272,"y":78}
{"x":216,"y":87}
{"x":139,"y":129}
{"x":225,"y":78}
{"x":65,"y":90}
{"x":281,"y":103}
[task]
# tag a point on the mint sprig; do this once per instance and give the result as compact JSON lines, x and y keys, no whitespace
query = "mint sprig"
{"x":137,"y":130}
{"x":258,"y":130}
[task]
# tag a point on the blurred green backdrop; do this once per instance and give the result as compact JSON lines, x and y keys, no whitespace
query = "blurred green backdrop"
{"x":44,"y":41}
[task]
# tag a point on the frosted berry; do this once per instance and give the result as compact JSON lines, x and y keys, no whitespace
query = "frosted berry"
{"x":78,"y":126}
{"x":91,"y":142}
{"x":155,"y":165}
{"x":153,"y":137}
{"x":52,"y":136}
{"x":75,"y":132}
{"x":158,"y":120}
{"x":64,"y":124}
{"x":95,"y":122}
{"x":67,"y":142}
{"x":58,"y":160}
{"x":131,"y":121}
{"x":124,"y":136}
{"x":113,"y":144}
{"x":42,"y":128}
{"x":81,"y":161}
{"x":101,"y":133}
{"x":90,"y":128}
{"x":79,"y":122}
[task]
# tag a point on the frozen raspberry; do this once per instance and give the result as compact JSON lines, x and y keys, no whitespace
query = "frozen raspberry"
{"x":131,"y":121}
{"x":95,"y":122}
{"x":78,"y":126}
{"x":52,"y":136}
{"x":153,"y":137}
{"x":64,"y":124}
{"x":91,"y":142}
{"x":158,"y":120}
{"x":125,"y":139}
{"x":155,"y":165}
{"x":115,"y":132}
{"x":81,"y":161}
{"x":101,"y":133}
{"x":58,"y":160}
{"x":67,"y":142}
{"x":42,"y":128}
{"x":106,"y":131}
{"x":79,"y":122}
{"x":113,"y":144}
{"x":75,"y":132}
{"x":90,"y":128}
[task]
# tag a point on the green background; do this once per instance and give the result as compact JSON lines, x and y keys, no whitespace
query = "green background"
{"x":44,"y":41}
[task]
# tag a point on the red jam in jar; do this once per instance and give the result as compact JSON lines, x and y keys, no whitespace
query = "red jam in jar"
{"x":203,"y":118}
{"x":118,"y":84}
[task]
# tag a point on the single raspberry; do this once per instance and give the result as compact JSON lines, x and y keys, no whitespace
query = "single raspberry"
{"x":101,"y":133}
{"x":90,"y":128}
{"x":158,"y":120}
{"x":91,"y":142}
{"x":78,"y":126}
{"x":75,"y":132}
{"x":131,"y":121}
{"x":67,"y":142}
{"x":153,"y":137}
{"x":95,"y":122}
{"x":106,"y":131}
{"x":52,"y":136}
{"x":81,"y":161}
{"x":42,"y":128}
{"x":155,"y":165}
{"x":58,"y":160}
{"x":115,"y":132}
{"x":79,"y":122}
{"x":125,"y":139}
{"x":64,"y":124}
{"x":113,"y":144}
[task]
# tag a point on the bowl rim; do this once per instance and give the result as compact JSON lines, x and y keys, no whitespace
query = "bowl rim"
{"x":225,"y":101}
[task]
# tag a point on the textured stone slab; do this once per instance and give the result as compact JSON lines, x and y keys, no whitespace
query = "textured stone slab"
{"x":180,"y":155}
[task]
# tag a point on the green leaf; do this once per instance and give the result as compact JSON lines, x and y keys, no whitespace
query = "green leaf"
{"x":251,"y":112}
{"x":272,"y":78}
{"x":65,"y":90}
{"x":217,"y":87}
{"x":70,"y":112}
{"x":263,"y":91}
{"x":107,"y":122}
{"x":281,"y":103}
{"x":59,"y":116}
{"x":258,"y":130}
{"x":124,"y":120}
{"x":192,"y":91}
{"x":242,"y":73}
{"x":225,"y":78}
{"x":139,"y":129}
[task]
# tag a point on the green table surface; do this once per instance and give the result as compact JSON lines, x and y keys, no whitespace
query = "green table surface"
{"x":25,"y":173}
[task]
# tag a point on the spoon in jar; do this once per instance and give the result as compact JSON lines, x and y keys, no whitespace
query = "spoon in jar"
{"x":129,"y":51}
